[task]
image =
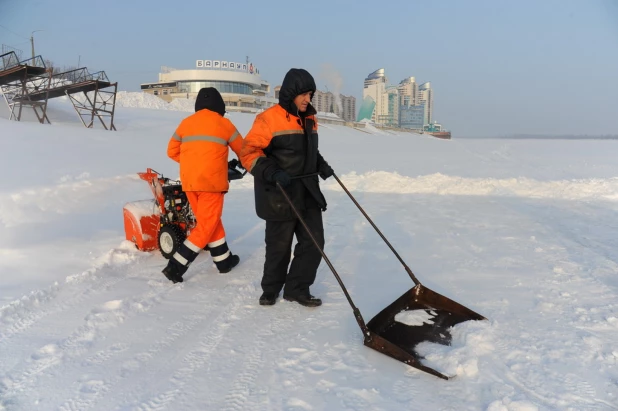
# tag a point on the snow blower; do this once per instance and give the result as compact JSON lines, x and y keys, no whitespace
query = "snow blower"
{"x":389,"y":332}
{"x":164,"y":222}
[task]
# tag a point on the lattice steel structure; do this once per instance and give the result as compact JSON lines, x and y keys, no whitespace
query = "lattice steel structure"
{"x":87,"y":92}
{"x":30,"y":83}
{"x":24,"y":83}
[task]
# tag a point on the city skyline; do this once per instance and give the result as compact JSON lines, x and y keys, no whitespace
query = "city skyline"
{"x":385,"y":103}
{"x":498,"y":68}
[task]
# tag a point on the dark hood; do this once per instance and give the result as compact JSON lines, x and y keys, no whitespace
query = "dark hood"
{"x":295,"y":82}
{"x":210,"y":98}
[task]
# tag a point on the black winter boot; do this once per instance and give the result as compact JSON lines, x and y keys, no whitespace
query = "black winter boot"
{"x":174,"y":271}
{"x":304,"y":299}
{"x":225,"y":266}
{"x":222,"y":256}
{"x":180,"y":261}
{"x":268,"y":298}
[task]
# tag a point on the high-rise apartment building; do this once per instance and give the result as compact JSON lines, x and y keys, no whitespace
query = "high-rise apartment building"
{"x":380,"y":101}
{"x":408,"y":92}
{"x":373,"y":91}
{"x":327,"y":102}
{"x":324,"y":102}
{"x":426,"y":98}
{"x":348,"y":108}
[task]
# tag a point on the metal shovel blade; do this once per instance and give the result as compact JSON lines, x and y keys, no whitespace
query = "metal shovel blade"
{"x":393,"y":337}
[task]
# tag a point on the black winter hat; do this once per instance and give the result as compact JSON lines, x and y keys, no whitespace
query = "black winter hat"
{"x":210,"y":98}
{"x":296,"y":82}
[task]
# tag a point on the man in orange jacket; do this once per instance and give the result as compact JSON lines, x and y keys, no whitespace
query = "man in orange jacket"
{"x":281,"y":147}
{"x":201,"y":145}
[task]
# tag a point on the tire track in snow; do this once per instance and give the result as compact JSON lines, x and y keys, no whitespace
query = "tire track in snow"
{"x":555,"y":300}
{"x":110,"y":315}
{"x":197,"y":358}
{"x":249,"y":290}
{"x":246,"y":390}
{"x":186,"y":388}
{"x":242,"y":388}
{"x":22,"y":314}
{"x":86,"y":399}
{"x":587,"y":239}
{"x":92,"y":392}
{"x":577,"y":394}
{"x":102,"y":356}
{"x":209,"y":339}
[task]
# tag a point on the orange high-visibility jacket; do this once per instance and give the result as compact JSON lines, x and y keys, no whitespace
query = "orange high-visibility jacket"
{"x":279,"y":140}
{"x":201,"y":145}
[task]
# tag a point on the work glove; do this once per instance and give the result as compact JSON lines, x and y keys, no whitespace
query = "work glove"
{"x":281,"y":177}
{"x":325,"y":171}
{"x":233,"y":163}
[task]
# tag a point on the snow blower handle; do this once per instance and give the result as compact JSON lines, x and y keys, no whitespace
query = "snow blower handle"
{"x":410,"y":273}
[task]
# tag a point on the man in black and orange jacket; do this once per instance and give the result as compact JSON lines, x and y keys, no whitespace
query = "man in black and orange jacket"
{"x":201,"y":145}
{"x":283,"y":144}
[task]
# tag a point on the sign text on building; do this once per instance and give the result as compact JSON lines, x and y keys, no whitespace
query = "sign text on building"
{"x":227,"y":65}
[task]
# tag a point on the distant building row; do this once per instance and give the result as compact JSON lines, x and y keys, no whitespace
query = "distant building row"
{"x":327,"y":102}
{"x":406,"y":105}
{"x":240,"y":86}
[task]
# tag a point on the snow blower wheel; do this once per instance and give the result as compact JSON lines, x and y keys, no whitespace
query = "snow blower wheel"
{"x":170,"y":238}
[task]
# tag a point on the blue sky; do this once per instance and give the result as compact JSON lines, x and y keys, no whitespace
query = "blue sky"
{"x":496,"y":67}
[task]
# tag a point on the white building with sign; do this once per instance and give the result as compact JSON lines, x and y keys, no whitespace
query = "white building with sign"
{"x":240,"y":84}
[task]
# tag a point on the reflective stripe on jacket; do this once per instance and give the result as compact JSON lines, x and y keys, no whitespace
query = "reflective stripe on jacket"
{"x":201,"y":145}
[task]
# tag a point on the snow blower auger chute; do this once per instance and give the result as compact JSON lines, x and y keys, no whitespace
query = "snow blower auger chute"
{"x":420,"y":314}
{"x":165,"y":221}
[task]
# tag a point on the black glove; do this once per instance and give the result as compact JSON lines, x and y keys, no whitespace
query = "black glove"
{"x":281,"y":177}
{"x":233,"y":163}
{"x":325,"y":171}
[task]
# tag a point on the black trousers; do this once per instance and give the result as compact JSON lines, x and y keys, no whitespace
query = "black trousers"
{"x":307,"y":257}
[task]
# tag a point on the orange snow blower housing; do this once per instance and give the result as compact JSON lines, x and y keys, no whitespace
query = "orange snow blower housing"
{"x":166,"y":221}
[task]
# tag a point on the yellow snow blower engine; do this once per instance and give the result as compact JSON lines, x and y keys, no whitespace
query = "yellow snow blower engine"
{"x":165,"y":221}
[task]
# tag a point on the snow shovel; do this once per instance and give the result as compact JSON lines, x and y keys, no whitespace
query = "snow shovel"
{"x":420,"y":314}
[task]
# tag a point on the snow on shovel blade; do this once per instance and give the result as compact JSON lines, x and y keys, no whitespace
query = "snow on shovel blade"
{"x":420,"y":314}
